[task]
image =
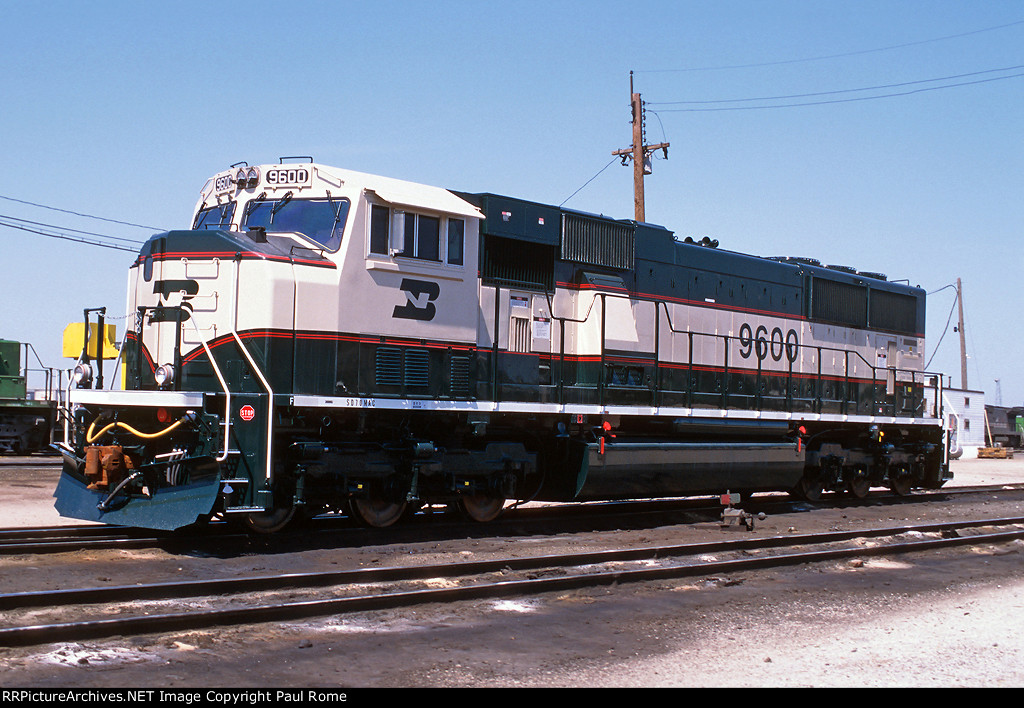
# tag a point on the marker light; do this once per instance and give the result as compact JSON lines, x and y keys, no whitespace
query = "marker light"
{"x":247,"y":179}
{"x":164,"y":375}
{"x":82,"y":375}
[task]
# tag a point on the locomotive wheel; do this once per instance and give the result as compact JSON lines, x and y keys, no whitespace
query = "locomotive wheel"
{"x":376,"y":512}
{"x":901,"y":484}
{"x":859,"y":486}
{"x":271,"y":521}
{"x":481,"y":508}
{"x":809,"y":488}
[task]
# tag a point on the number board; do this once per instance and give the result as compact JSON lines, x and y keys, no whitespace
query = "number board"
{"x":287,"y":177}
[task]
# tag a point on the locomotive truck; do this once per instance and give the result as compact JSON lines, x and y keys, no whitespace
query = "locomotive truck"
{"x":323,"y":340}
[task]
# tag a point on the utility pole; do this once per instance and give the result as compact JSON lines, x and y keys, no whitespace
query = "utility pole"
{"x":963,"y":337}
{"x":639,"y":152}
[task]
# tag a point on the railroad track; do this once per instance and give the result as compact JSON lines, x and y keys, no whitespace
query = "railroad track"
{"x":64,"y":539}
{"x":53,"y":462}
{"x":335,"y":531}
{"x":72,"y":538}
{"x":256,"y":599}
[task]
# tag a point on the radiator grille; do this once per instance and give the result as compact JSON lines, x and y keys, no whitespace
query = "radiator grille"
{"x":894,"y":312}
{"x":598,"y":242}
{"x":839,"y":303}
{"x":518,"y":263}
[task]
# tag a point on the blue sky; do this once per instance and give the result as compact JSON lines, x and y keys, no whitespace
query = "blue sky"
{"x":123,"y":109}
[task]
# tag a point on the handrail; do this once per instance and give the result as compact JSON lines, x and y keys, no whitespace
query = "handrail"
{"x":266,"y":385}
{"x":117,"y":359}
{"x":224,"y":386}
{"x":233,"y":314}
{"x":759,"y":348}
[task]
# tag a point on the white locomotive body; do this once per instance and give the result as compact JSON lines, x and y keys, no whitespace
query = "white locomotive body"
{"x":326,"y":340}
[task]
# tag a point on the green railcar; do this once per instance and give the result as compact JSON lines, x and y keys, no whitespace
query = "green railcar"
{"x":26,"y":422}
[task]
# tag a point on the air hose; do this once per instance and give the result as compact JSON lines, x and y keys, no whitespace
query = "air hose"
{"x":90,"y":437}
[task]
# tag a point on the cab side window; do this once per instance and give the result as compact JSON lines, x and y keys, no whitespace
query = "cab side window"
{"x":456,"y":241}
{"x":379,"y":220}
{"x":425,"y":237}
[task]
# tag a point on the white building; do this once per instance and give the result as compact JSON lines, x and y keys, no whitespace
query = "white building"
{"x":964,"y":411}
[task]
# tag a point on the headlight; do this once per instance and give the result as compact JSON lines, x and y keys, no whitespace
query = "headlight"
{"x":164,"y":375}
{"x":82,"y":375}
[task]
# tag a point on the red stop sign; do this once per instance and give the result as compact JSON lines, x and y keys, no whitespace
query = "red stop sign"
{"x":247,"y":412}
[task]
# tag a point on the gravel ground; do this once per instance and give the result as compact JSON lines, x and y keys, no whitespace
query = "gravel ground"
{"x":940,"y":619}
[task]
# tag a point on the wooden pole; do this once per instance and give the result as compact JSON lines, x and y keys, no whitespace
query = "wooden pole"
{"x":963,"y":336}
{"x":638,"y":152}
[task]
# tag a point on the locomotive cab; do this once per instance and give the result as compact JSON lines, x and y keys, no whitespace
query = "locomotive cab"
{"x":289,"y":273}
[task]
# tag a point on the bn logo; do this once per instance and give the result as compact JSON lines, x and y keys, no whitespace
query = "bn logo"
{"x":420,"y":296}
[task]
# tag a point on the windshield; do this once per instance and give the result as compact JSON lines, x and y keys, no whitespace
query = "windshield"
{"x":321,"y":220}
{"x":217,"y":216}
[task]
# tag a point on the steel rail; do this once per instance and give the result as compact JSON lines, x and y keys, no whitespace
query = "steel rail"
{"x":71,"y":546}
{"x":61,"y":539}
{"x":46,"y":463}
{"x":75,"y":538}
{"x":90,"y":629}
{"x":198,"y":588}
{"x":65,"y":539}
{"x":38,"y":532}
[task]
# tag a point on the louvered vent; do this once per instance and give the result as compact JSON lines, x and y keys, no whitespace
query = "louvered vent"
{"x":389,"y":366}
{"x":417,"y":368}
{"x":519,"y":335}
{"x":460,"y":376}
{"x":598,"y":242}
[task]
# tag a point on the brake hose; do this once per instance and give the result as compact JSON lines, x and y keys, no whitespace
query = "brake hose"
{"x":91,"y":438}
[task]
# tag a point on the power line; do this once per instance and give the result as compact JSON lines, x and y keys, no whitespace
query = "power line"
{"x":87,"y":216}
{"x":841,"y":100}
{"x":835,"y":56}
{"x":944,"y":329}
{"x":839,"y":91}
{"x":944,"y":287}
{"x":133,"y":242}
{"x":69,"y":238}
{"x":614,"y":159}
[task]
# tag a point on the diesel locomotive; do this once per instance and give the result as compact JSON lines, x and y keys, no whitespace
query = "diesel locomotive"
{"x":323,"y":340}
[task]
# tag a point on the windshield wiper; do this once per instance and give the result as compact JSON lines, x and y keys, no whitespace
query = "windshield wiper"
{"x":280,"y":205}
{"x":252,"y":204}
{"x":337,"y":211}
